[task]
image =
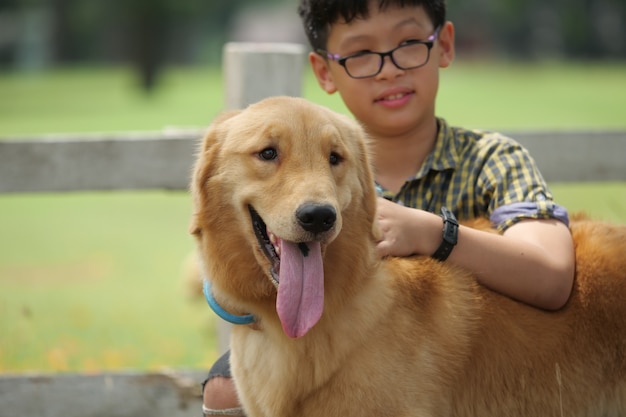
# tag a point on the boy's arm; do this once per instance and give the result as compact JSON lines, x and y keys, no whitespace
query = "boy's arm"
{"x":532,"y":261}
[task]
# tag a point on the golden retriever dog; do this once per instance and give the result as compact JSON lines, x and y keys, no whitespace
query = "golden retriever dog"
{"x":284,"y":216}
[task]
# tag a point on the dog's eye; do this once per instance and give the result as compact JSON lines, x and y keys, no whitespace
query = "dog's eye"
{"x":268,"y":154}
{"x":335,"y":158}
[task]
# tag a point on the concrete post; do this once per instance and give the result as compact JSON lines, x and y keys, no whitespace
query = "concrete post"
{"x":254,"y":71}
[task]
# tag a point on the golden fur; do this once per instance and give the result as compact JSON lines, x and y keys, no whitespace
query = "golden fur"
{"x":401,"y":336}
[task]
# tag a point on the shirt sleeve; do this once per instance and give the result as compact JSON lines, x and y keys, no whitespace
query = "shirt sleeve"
{"x":506,"y":216}
{"x":513,"y":187}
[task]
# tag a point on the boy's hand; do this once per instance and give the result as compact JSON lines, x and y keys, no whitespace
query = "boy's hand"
{"x":405,"y":231}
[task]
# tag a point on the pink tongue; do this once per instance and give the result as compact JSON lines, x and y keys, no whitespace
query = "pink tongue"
{"x":301,"y":287}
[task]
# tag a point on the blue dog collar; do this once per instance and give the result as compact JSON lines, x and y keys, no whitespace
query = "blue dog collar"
{"x":219,"y":310}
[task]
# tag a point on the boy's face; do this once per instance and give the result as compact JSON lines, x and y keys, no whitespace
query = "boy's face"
{"x":395,"y":100}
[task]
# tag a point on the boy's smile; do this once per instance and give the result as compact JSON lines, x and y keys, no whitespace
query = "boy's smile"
{"x":396,"y":97}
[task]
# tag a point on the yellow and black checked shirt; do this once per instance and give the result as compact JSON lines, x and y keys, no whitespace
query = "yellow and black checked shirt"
{"x":479,"y":174}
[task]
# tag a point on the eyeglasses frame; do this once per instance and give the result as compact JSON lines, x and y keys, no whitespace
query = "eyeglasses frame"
{"x":341,"y":60}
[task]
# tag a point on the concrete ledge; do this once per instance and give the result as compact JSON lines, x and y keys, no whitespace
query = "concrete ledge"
{"x":577,"y":156}
{"x":164,"y":160}
{"x":123,"y":394}
{"x":98,"y":162}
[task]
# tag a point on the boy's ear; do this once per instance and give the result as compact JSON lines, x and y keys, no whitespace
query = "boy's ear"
{"x":320,"y":68}
{"x":446,"y":45}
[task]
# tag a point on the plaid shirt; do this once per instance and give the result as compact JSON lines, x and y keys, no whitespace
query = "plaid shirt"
{"x":479,"y":174}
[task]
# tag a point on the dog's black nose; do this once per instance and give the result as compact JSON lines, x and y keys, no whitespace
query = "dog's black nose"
{"x":316,"y":218}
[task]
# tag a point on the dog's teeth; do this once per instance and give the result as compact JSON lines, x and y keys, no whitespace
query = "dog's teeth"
{"x":274,"y":242}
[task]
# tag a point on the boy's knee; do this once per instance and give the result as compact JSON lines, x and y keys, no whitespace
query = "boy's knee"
{"x":219,"y":398}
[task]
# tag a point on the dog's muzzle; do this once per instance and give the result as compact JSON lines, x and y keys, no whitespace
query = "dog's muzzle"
{"x":296,"y":266}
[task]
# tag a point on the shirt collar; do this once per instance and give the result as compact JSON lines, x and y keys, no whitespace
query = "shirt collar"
{"x":445,"y":154}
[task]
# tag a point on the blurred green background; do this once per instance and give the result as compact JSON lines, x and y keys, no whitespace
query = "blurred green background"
{"x":95,"y":281}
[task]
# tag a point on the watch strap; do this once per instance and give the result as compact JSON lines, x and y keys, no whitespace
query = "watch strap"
{"x":450,"y":235}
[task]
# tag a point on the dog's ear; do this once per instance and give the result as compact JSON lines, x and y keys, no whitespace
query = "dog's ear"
{"x":361,"y":146}
{"x":366,"y":178}
{"x":193,"y":227}
{"x":205,"y":164}
{"x":211,"y":136}
{"x":208,"y":148}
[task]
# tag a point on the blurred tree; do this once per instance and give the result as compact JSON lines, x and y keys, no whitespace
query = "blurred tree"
{"x":142,"y":31}
{"x":151,"y":25}
{"x":149,"y":22}
{"x":8,"y":31}
{"x":553,"y":29}
{"x":152,"y":33}
{"x":79,"y":26}
{"x":62,"y":36}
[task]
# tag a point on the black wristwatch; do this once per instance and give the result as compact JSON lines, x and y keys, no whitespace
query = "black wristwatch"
{"x":450,"y":235}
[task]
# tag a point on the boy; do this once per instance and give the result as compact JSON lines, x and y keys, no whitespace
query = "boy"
{"x":383,"y":57}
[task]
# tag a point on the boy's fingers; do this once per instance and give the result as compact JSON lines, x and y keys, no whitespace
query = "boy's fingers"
{"x":382,"y":248}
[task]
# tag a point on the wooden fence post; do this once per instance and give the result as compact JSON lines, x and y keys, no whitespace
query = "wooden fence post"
{"x":252,"y":72}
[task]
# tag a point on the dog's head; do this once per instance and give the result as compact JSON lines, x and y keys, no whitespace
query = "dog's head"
{"x":275,"y":187}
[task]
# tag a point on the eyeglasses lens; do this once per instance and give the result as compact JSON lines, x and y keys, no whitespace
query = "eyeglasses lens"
{"x":406,"y":57}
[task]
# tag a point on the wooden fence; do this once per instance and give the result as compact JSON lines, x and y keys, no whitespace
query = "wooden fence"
{"x":163,"y":160}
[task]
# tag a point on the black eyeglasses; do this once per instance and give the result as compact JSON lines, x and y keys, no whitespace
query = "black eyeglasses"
{"x":410,"y":55}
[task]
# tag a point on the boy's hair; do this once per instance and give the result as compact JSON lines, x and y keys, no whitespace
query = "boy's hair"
{"x":318,"y":15}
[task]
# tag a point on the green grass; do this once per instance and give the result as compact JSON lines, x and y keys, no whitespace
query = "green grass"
{"x":541,"y":96}
{"x":602,"y":201}
{"x":106,"y":100}
{"x":489,"y":95}
{"x":93,"y":281}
